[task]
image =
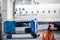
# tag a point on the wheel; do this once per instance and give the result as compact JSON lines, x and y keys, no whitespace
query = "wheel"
{"x":9,"y":36}
{"x":34,"y":35}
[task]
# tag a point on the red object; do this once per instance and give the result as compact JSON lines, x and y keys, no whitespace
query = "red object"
{"x":52,"y":36}
{"x":43,"y":36}
{"x":47,"y":35}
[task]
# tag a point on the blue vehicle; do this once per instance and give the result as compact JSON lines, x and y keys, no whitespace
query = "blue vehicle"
{"x":30,"y":28}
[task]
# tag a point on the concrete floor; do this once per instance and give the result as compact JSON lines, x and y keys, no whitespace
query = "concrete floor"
{"x":41,"y":28}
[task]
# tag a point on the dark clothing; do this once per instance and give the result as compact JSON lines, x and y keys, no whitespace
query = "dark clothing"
{"x":0,"y":35}
{"x":49,"y":29}
{"x":0,"y":31}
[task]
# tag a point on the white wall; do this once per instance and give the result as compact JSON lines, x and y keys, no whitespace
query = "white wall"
{"x":4,"y":9}
{"x":0,"y":6}
{"x":0,"y":9}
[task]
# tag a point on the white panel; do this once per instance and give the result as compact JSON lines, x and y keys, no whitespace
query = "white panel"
{"x":43,"y":14}
{"x":4,"y":9}
{"x":9,"y":9}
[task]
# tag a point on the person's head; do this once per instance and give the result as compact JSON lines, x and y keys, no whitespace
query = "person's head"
{"x":50,"y":22}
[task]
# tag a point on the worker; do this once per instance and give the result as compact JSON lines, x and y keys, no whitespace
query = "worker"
{"x":50,"y":28}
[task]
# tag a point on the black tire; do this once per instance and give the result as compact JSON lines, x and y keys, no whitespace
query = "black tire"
{"x":9,"y":36}
{"x":34,"y":35}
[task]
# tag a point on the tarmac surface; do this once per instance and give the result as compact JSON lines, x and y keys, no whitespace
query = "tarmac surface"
{"x":41,"y":28}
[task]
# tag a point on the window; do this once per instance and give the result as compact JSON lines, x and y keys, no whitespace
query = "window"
{"x":48,"y":11}
{"x":22,"y":24}
{"x":23,"y":9}
{"x":42,"y":11}
{"x":54,"y":11}
{"x":37,"y":11}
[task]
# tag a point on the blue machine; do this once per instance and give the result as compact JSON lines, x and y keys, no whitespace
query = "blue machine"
{"x":9,"y":28}
{"x":32,"y":26}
